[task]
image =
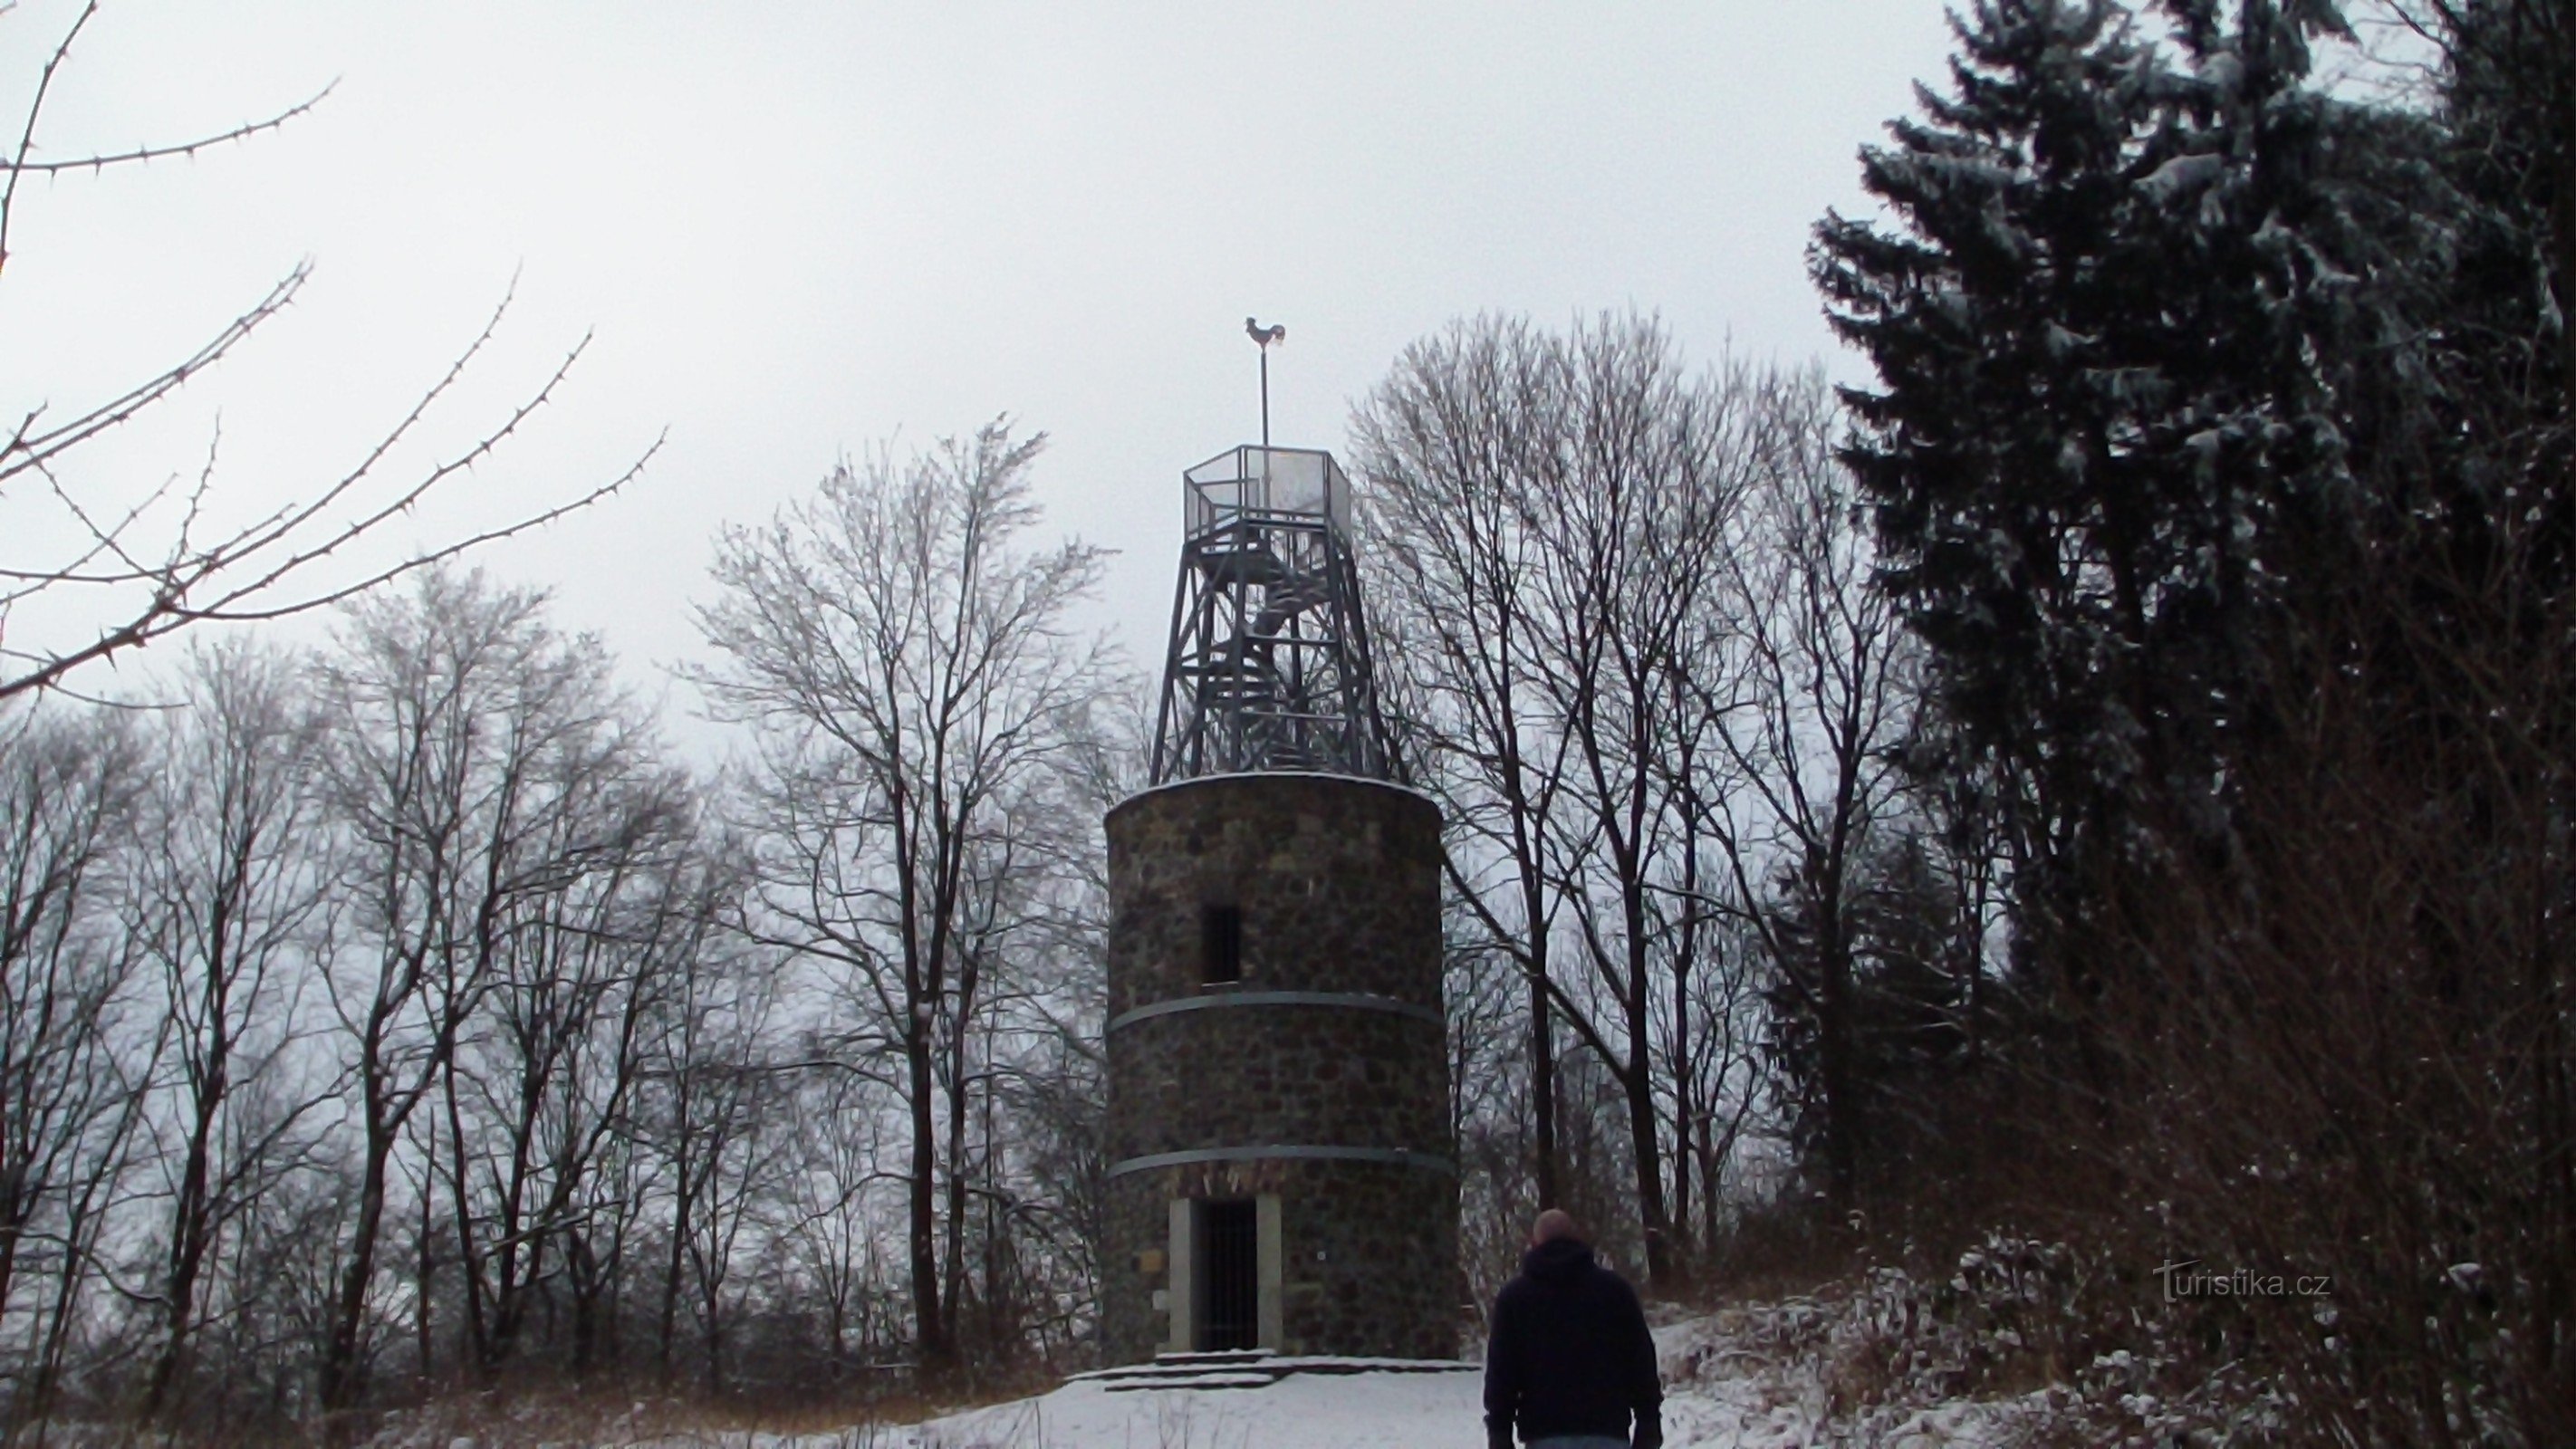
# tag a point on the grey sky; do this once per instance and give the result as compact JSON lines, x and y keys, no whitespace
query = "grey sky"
{"x":799,"y":227}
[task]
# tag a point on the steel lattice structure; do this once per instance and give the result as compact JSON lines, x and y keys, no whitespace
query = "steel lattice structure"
{"x":1269,"y":661}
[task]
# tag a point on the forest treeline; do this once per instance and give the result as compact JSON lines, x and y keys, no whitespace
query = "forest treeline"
{"x":2105,"y":784}
{"x":2103,"y":789}
{"x":401,"y":1015}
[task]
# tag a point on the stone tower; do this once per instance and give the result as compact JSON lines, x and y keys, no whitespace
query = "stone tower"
{"x":1281,"y":1175}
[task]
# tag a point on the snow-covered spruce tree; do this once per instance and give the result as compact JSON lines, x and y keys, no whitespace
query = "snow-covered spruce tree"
{"x":2220,"y":457}
{"x":2117,"y":309}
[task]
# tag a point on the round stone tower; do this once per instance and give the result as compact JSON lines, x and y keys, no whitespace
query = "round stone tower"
{"x":1280,"y":1171}
{"x":1281,"y":1174}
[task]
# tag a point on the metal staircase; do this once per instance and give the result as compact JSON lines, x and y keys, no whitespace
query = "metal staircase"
{"x":1269,"y":665}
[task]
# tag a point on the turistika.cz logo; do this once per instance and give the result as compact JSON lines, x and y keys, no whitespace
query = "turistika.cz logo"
{"x":2188,"y":1279}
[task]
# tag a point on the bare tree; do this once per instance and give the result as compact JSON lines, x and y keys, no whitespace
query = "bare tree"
{"x":1809,"y":728}
{"x":131,"y":567}
{"x":226,"y":890}
{"x":71,"y":1071}
{"x":828,"y":1221}
{"x":533,"y":1092}
{"x":1043,"y":1181}
{"x":713,"y":1080}
{"x":1450,"y":445}
{"x":1555,"y":508}
{"x":1487,"y":995}
{"x":914,"y":687}
{"x":479,"y":767}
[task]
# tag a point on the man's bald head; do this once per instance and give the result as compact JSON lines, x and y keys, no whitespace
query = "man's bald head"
{"x":1553,"y":1224}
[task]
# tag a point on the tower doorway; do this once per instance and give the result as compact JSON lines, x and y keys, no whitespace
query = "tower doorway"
{"x":1229,"y":1276}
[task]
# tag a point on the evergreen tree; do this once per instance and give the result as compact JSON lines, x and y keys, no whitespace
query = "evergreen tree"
{"x":2220,"y":453}
{"x":2129,"y":326}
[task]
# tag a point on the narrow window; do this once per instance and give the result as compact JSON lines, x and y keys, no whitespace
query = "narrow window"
{"x":1220,"y":944}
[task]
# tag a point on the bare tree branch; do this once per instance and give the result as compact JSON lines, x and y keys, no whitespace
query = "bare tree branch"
{"x":143,"y":582}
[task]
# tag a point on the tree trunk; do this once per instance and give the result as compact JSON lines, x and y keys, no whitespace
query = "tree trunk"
{"x":1685,"y":964}
{"x":1645,"y":1130}
{"x":1834,"y":1047}
{"x":469,"y":1261}
{"x":669,"y":1321}
{"x":953,"y":1270}
{"x":1543,"y":1083}
{"x":1645,"y":1124}
{"x":711,"y":1295}
{"x":188,"y":1244}
{"x":930,"y":1329}
{"x":583,"y":1271}
{"x":424,"y":1287}
{"x":348,"y":1320}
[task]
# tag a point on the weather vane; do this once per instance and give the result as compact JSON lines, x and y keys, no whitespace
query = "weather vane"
{"x":1263,"y":337}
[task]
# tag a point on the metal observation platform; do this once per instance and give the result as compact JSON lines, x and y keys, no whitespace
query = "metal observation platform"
{"x":1269,"y":661}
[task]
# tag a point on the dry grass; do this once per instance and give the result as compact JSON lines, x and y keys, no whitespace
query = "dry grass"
{"x":577,"y":1419}
{"x":1776,"y":1252}
{"x":610,"y":1418}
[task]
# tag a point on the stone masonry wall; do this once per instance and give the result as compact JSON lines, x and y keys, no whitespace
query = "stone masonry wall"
{"x":1278,"y":1073}
{"x":1338,"y":880}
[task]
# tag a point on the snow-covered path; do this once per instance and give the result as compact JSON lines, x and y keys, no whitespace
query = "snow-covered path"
{"x":1722,"y":1392}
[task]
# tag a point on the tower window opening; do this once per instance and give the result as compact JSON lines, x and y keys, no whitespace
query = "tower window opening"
{"x":1220,"y":944}
{"x":1230,"y":1276}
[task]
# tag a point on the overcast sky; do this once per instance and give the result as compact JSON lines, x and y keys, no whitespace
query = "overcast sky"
{"x":800,"y":228}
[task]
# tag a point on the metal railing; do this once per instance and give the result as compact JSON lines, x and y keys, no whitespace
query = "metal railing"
{"x":1253,"y":482}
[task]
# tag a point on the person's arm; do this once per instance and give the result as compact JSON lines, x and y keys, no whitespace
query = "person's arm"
{"x":1502,"y":1375}
{"x":1645,"y":1380}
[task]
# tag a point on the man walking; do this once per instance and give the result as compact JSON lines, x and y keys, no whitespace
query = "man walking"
{"x":1569,"y":1359}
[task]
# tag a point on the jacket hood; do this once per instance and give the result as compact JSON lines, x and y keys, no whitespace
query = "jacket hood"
{"x":1557,"y":1259}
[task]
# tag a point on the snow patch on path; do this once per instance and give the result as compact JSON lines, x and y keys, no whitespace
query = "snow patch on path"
{"x":1370,"y":1410}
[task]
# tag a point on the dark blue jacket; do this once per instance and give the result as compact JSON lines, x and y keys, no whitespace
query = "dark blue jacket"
{"x":1569,"y":1352}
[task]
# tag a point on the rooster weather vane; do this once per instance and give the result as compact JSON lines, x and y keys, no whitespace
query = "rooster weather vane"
{"x":1262,"y":337}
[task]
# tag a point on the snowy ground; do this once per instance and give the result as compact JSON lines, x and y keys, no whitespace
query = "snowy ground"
{"x":1748,"y":1379}
{"x":1977,"y":1359}
{"x":1996,"y":1354}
